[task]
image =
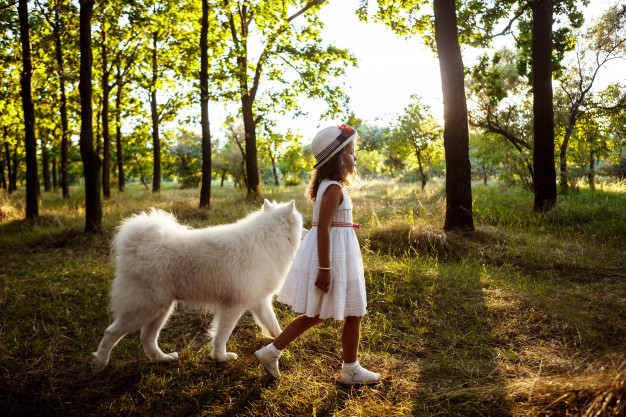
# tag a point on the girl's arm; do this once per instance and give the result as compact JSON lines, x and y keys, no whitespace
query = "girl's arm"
{"x":332,"y":197}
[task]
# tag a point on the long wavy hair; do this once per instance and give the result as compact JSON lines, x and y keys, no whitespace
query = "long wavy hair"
{"x":334,"y":169}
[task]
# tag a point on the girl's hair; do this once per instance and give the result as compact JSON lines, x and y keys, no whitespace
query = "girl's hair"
{"x":334,"y":169}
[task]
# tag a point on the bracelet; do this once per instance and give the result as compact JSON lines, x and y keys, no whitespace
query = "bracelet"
{"x":325,"y":269}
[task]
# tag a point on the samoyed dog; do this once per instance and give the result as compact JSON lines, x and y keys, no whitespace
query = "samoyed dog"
{"x":227,"y":269}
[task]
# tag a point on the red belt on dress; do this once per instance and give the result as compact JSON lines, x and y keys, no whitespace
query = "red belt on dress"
{"x":340,"y":224}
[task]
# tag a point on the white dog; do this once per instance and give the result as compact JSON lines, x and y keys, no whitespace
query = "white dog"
{"x":228,"y":269}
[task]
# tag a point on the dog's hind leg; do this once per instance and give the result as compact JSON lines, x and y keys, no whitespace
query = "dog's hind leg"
{"x":121,"y":326}
{"x":150,"y":334}
{"x":264,"y":315}
{"x":222,"y":326}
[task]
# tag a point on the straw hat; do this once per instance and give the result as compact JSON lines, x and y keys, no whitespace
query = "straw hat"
{"x":331,"y":140}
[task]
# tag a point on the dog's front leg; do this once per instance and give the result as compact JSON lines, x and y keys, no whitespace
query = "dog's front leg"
{"x":264,"y":315}
{"x":222,"y":326}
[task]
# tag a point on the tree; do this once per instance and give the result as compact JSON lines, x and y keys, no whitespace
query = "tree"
{"x":58,"y":27}
{"x":56,"y":16}
{"x":296,"y":162}
{"x":11,"y":109}
{"x":455,"y":132}
{"x":32,"y":182}
{"x":228,"y":161}
{"x":282,"y":45}
{"x":544,"y":47}
{"x":544,"y":179}
{"x":106,"y":91}
{"x":416,"y":131}
{"x":170,"y":56}
{"x":273,"y":145}
{"x":500,"y":104}
{"x":406,"y":19}
{"x":91,"y":160}
{"x":205,"y":191}
{"x":605,"y":40}
{"x":188,"y":152}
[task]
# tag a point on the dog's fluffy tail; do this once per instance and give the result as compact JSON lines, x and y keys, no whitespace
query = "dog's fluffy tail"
{"x":148,"y":227}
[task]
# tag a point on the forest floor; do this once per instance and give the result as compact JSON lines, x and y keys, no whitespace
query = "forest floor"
{"x":523,"y":316}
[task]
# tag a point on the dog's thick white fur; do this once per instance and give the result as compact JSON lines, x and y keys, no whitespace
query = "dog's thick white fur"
{"x":228,"y":269}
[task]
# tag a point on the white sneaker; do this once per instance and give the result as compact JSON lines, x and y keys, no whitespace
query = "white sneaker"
{"x":269,"y":360}
{"x":358,"y":375}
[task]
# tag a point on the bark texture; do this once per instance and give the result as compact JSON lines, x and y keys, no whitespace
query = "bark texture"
{"x":544,"y":178}
{"x":30,"y":141}
{"x":205,"y":189}
{"x":455,"y":133}
{"x":91,"y":161}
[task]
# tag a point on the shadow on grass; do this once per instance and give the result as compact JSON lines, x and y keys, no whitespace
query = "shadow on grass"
{"x":459,"y":374}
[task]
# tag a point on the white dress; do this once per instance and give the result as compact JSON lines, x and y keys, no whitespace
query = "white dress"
{"x":346,"y":295}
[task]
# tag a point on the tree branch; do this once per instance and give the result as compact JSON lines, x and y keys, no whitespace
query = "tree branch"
{"x":270,"y":43}
{"x":517,"y":15}
{"x":6,"y":6}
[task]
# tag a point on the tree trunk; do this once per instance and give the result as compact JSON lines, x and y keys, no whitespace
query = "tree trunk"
{"x":563,"y":152}
{"x":591,"y":177}
{"x":91,"y":161}
{"x":252,"y":170}
{"x":143,"y":177}
{"x":419,"y":162}
{"x":156,"y":143}
{"x":64,"y":124}
{"x":484,"y":175}
{"x":430,"y":168}
{"x":15,"y":163}
{"x":544,"y":179}
{"x":276,"y":183}
{"x":3,"y":180}
{"x":7,"y":153}
{"x":455,"y":133}
{"x":30,"y":141}
{"x":106,"y":138}
{"x":54,"y":174}
{"x":121,"y":181}
{"x":205,"y":190}
{"x":45,"y":167}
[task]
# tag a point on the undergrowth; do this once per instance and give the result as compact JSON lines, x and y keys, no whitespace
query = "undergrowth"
{"x":523,"y":316}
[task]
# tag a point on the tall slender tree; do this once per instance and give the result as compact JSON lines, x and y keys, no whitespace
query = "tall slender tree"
{"x":57,"y":31}
{"x":30,"y":141}
{"x":455,"y":132}
{"x":544,"y":172}
{"x":284,"y":45}
{"x":205,"y":190}
{"x":89,"y":156}
{"x":106,"y":92}
{"x":406,"y":19}
{"x":604,"y":41}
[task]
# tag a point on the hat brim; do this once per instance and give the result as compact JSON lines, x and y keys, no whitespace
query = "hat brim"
{"x":340,"y":147}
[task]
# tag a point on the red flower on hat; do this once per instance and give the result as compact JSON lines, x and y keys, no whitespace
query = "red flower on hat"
{"x":346,"y":130}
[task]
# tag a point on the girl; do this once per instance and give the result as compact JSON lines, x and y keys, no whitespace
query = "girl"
{"x":326,"y":278}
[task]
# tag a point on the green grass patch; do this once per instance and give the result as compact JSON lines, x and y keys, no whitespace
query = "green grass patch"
{"x":524,"y":316}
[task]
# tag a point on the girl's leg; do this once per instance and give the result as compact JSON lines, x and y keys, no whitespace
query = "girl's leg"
{"x":351,"y":371}
{"x":350,"y":338}
{"x":269,"y":355}
{"x":298,"y":326}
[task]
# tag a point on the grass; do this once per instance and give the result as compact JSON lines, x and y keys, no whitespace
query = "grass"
{"x":524,"y":316}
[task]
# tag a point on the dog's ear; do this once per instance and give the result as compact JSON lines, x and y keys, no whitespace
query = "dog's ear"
{"x":292,"y":205}
{"x":266,"y":205}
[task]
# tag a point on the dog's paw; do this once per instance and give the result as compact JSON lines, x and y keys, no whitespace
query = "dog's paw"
{"x":228,"y":356}
{"x":170,"y":357}
{"x":97,"y":365}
